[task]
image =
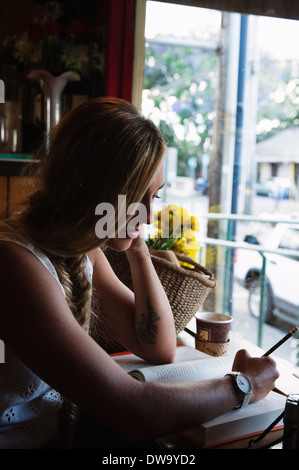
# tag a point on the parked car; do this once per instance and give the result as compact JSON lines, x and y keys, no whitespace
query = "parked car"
{"x":274,"y":187}
{"x":282,"y":274}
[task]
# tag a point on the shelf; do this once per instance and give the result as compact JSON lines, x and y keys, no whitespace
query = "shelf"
{"x":13,"y":164}
{"x":16,"y":156}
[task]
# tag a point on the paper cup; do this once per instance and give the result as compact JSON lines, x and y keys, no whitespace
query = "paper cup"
{"x":213,"y":349}
{"x":213,"y":327}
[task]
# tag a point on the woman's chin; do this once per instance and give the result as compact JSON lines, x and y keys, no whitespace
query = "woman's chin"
{"x":119,"y":244}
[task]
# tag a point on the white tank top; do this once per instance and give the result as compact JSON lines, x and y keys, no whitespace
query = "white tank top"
{"x":29,"y":408}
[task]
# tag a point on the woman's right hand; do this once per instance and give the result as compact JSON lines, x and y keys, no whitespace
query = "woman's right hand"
{"x":262,"y":372}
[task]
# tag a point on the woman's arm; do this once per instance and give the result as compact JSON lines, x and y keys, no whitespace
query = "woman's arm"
{"x":142,"y":322}
{"x":38,"y":326}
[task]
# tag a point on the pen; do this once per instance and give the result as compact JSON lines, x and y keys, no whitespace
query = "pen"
{"x":285,"y":338}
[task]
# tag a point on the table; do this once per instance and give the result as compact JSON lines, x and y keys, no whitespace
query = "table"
{"x":286,"y":383}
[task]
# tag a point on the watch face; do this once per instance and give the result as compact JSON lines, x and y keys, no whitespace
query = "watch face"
{"x":244,"y":383}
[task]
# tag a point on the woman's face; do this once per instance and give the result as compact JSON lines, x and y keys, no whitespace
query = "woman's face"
{"x":140,"y":217}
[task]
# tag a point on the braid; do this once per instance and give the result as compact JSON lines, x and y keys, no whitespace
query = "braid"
{"x":82,"y":289}
{"x":78,"y":290}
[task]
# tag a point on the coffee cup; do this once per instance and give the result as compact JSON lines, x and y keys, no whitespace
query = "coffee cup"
{"x":213,"y":327}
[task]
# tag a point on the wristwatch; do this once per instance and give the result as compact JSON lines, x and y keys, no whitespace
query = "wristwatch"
{"x":243,"y":386}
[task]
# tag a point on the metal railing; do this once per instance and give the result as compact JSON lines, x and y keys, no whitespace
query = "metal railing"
{"x":233,"y":245}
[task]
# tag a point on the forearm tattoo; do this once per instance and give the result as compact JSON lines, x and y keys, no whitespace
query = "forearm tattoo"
{"x":147,"y":330}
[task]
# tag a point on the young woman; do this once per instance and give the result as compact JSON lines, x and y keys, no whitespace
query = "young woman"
{"x":53,"y":267}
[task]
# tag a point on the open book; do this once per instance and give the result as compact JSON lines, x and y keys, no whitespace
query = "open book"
{"x":191,"y":364}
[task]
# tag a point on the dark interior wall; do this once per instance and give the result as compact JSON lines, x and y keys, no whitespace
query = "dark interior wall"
{"x":15,"y":14}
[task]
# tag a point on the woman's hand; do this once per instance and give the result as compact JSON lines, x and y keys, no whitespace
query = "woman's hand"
{"x":262,"y":372}
{"x":138,"y":244}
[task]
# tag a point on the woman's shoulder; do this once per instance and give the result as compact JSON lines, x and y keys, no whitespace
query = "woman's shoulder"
{"x":12,"y":252}
{"x":102,"y":269}
{"x":15,"y":257}
{"x":97,"y":256}
{"x":25,"y":283}
{"x":12,"y":232}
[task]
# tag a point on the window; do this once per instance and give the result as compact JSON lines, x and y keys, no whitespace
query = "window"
{"x":226,"y":96}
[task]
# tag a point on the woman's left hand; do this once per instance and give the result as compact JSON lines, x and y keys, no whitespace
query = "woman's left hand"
{"x":138,"y":244}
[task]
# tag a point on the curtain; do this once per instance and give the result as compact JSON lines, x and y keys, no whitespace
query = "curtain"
{"x":120,"y":48}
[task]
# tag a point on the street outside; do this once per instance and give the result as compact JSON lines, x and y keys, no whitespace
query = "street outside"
{"x":244,"y":324}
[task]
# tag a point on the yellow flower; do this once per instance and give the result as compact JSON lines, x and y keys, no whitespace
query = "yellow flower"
{"x":179,"y":246}
{"x":194,"y":224}
{"x":176,"y":230}
{"x":188,"y":233}
{"x":157,"y":219}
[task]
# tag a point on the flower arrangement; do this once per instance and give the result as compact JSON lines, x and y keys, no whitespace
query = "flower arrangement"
{"x":176,"y":231}
{"x":55,"y":43}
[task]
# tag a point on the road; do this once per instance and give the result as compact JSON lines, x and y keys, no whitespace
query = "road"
{"x":246,"y":326}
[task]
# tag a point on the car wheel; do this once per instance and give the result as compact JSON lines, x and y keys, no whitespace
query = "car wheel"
{"x":254,"y":299}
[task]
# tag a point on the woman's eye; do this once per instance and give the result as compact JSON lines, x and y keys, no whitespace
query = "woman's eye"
{"x":156,"y":196}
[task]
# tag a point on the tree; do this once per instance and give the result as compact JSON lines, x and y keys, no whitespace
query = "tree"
{"x":278,"y":101}
{"x":179,"y":90}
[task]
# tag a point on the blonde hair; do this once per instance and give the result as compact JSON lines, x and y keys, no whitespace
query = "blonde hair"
{"x":100,"y":150}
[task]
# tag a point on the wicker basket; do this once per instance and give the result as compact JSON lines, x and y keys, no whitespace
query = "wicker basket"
{"x":186,"y":288}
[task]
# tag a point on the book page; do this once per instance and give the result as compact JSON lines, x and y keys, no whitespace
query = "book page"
{"x":286,"y":382}
{"x":130,"y":361}
{"x":234,"y":424}
{"x":202,"y":369}
{"x":272,"y":402}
